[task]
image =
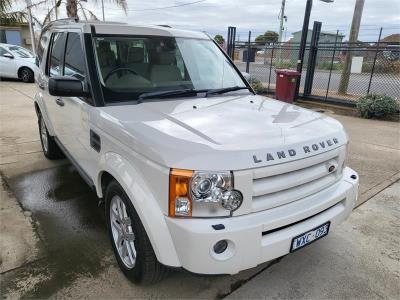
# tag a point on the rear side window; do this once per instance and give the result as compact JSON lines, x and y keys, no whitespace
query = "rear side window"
{"x":74,"y":57}
{"x":43,"y":42}
{"x":56,"y":54}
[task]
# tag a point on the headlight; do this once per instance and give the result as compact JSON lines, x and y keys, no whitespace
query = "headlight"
{"x":202,"y":194}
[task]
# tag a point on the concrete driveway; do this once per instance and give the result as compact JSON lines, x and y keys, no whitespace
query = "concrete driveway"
{"x":54,"y":241}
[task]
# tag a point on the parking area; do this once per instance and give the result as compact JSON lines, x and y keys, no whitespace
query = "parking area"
{"x":54,"y":241}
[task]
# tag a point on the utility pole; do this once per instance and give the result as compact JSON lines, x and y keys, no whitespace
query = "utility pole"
{"x":28,"y":7}
{"x":281,"y":27}
{"x":55,"y":7}
{"x":355,"y":28}
{"x":102,"y":8}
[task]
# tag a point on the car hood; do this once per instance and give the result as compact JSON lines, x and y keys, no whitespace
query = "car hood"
{"x":221,"y":133}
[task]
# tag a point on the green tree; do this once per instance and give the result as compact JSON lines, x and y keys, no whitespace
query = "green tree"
{"x":219,"y":39}
{"x":8,"y":16}
{"x":268,"y":37}
{"x":75,"y":9}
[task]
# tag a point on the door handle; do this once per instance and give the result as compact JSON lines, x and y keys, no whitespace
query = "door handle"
{"x":60,"y":102}
{"x":41,"y":85}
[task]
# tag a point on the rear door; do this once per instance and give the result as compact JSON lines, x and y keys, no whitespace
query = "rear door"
{"x":54,"y":106}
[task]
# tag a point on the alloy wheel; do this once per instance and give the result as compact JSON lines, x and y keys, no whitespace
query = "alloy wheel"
{"x":43,"y":135}
{"x":122,"y":232}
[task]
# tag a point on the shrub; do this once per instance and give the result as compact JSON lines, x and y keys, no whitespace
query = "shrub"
{"x":256,"y":85}
{"x":284,"y":65}
{"x":327,"y":66}
{"x":377,"y":106}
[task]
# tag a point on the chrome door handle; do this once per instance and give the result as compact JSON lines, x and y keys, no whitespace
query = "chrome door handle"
{"x":60,"y":102}
{"x":41,"y":85}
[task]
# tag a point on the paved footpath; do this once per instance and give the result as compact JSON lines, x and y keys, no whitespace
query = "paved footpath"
{"x":32,"y":267}
{"x":359,"y":260}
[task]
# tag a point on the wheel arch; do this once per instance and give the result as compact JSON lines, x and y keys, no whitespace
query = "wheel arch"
{"x":115,"y":167}
{"x":40,"y":110}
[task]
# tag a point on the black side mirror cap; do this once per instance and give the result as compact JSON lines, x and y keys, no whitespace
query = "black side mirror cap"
{"x":66,"y":87}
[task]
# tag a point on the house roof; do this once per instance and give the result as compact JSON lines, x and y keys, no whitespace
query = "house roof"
{"x":393,"y":38}
{"x":322,"y":32}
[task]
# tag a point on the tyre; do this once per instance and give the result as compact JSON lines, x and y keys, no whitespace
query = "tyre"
{"x":49,"y":146}
{"x":131,"y":245}
{"x":27,"y":75}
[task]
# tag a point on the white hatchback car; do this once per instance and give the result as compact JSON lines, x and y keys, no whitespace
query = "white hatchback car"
{"x":17,"y":62}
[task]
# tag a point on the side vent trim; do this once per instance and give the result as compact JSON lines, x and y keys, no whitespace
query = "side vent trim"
{"x":95,"y":141}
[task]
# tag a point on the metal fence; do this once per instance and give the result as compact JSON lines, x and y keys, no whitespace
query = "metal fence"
{"x":375,"y":68}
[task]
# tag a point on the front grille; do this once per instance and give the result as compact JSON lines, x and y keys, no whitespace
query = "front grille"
{"x":282,"y":184}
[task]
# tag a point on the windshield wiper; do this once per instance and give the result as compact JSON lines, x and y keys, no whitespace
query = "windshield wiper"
{"x":226,"y":90}
{"x":170,"y":93}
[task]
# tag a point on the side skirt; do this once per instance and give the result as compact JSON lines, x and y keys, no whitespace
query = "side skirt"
{"x":81,"y":172}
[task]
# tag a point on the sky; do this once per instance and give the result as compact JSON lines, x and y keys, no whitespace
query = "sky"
{"x":214,"y":16}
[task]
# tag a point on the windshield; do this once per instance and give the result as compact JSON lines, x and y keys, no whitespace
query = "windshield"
{"x":20,"y":52}
{"x":129,"y":67}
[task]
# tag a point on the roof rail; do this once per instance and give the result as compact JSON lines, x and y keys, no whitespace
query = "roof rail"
{"x":65,"y":21}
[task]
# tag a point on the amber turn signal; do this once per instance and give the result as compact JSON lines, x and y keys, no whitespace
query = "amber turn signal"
{"x":180,"y":202}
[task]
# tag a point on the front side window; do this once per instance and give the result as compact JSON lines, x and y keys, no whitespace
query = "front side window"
{"x":2,"y":51}
{"x":20,"y":52}
{"x":56,"y":54}
{"x":131,"y":66}
{"x":74,"y":64}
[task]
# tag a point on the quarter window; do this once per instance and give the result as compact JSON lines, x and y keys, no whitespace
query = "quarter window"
{"x":74,"y":65}
{"x":56,"y":55}
{"x":43,"y":42}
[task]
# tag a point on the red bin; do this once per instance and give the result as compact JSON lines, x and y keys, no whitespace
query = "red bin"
{"x":286,"y":84}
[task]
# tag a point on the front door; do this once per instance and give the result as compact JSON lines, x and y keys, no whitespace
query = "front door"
{"x":7,"y":64}
{"x":54,"y":104}
{"x":76,"y":132}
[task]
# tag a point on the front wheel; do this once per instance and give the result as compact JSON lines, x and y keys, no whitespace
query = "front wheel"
{"x":131,"y":245}
{"x":27,"y":75}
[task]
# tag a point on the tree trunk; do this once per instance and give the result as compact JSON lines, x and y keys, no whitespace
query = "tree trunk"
{"x":72,"y":8}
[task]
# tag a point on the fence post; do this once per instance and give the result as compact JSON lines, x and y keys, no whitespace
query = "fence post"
{"x":373,"y":64}
{"x":270,"y":65}
{"x":312,"y":58}
{"x":248,"y":54}
{"x":330,"y":70}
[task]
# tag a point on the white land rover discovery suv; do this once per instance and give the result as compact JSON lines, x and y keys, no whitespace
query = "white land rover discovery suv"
{"x":196,"y":171}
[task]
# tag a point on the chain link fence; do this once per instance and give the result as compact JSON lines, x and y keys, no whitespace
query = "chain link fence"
{"x":373,"y":68}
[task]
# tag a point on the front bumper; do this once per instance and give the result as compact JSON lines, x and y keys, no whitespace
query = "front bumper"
{"x":259,"y":237}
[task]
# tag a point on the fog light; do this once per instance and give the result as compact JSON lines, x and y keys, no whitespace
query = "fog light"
{"x":220,"y":246}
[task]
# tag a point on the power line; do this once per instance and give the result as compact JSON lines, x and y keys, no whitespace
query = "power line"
{"x":164,"y":7}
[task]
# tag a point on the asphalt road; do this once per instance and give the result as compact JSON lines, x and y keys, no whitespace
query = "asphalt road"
{"x":388,"y":84}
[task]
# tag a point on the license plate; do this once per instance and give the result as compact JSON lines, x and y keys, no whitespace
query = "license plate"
{"x":308,"y":237}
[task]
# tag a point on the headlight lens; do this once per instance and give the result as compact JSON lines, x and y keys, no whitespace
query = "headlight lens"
{"x":202,"y":194}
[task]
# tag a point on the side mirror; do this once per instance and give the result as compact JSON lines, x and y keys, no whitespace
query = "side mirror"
{"x":8,"y":55}
{"x":246,"y":75}
{"x":66,"y":87}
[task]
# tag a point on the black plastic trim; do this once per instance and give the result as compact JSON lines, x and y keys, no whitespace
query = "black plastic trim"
{"x":93,"y":78}
{"x":302,"y":220}
{"x":95,"y":141}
